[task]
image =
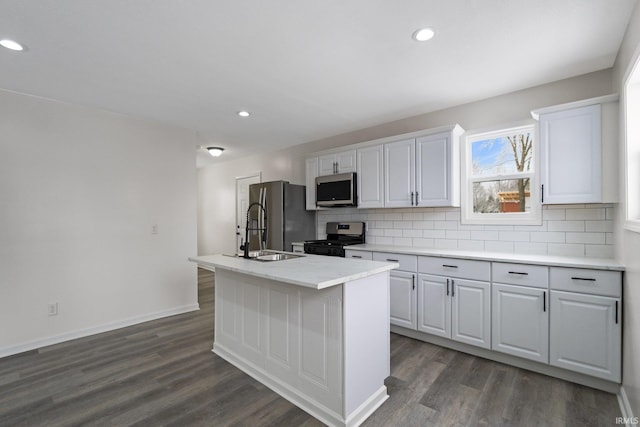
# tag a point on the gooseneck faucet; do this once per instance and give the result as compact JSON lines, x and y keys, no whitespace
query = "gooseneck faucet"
{"x":245,"y":246}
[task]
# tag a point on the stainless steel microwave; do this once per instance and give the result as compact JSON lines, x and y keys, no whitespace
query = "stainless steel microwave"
{"x":337,"y":190}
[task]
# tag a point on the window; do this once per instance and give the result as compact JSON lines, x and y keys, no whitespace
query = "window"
{"x":631,"y":99}
{"x":499,"y":177}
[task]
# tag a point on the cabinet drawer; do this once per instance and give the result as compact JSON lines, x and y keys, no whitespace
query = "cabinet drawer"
{"x":597,"y":282}
{"x":358,"y":254}
{"x":536,"y":276}
{"x":407,"y":262}
{"x":453,"y":267}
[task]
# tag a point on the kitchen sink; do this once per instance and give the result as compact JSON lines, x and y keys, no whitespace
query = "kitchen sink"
{"x":276,"y":257}
{"x":267,"y":256}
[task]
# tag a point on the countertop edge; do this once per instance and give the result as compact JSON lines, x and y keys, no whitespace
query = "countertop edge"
{"x":548,"y":260}
{"x":380,"y":267}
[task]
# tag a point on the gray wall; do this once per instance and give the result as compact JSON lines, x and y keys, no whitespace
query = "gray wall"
{"x":79,"y":192}
{"x":628,"y":242}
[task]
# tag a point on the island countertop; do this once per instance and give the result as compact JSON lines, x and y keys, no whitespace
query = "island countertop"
{"x":310,"y":271}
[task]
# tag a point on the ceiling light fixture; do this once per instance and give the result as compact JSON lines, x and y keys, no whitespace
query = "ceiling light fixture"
{"x":423,"y":34}
{"x":11,"y":45}
{"x":243,"y":113}
{"x":215,"y":151}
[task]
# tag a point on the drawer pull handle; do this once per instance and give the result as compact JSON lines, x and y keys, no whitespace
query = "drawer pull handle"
{"x":449,"y":266}
{"x":356,"y":256}
{"x":519,"y":273}
{"x":392,"y":260}
{"x":586,"y":279}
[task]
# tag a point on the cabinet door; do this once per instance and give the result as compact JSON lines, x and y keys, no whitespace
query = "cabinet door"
{"x":571,"y":155}
{"x":471,"y":312}
{"x":586,"y":334}
{"x":434,"y":171}
{"x":434,"y":305}
{"x":346,"y":161}
{"x":342,"y":162}
{"x":370,"y":177}
{"x":327,"y":165}
{"x":402,"y":295}
{"x":310,"y":182}
{"x":399,"y":173}
{"x":520,"y":321}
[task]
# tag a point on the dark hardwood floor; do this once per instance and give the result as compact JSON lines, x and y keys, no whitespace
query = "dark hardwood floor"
{"x":163,"y":373}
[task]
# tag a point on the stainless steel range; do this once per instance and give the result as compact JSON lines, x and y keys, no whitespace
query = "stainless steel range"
{"x":339,"y":235}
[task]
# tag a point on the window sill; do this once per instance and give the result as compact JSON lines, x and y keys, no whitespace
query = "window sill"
{"x":632,"y":225}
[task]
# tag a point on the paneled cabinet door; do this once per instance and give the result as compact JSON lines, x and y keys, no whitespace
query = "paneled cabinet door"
{"x":399,"y":173}
{"x":342,"y":162}
{"x":471,"y":312}
{"x":571,"y":154}
{"x":370,"y":177}
{"x":586,"y":334}
{"x":402,"y":299}
{"x":437,"y":180}
{"x":434,"y":305}
{"x":520,"y":317}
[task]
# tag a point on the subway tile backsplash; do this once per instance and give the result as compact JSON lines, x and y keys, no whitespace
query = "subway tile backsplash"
{"x":568,"y":230}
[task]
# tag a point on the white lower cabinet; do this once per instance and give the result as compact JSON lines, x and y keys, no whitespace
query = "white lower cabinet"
{"x":586,"y":334}
{"x":458,"y":309}
{"x":520,"y":321}
{"x":520,"y":310}
{"x":402,"y":288}
{"x":451,"y":307}
{"x":402,"y":297}
{"x":586,"y":321}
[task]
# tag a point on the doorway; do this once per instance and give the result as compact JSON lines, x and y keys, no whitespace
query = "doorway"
{"x":242,"y":203}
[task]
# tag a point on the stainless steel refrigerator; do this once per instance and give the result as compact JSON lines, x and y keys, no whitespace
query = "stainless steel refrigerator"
{"x":287,"y":219}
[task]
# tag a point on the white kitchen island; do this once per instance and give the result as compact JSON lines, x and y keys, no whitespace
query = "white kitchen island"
{"x":314,"y":329}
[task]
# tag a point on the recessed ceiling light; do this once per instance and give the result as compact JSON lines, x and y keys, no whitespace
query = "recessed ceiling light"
{"x":215,"y":151}
{"x":243,"y":113}
{"x":12,"y":45}
{"x":423,"y":34}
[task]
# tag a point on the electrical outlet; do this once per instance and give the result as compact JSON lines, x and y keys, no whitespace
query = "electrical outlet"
{"x":52,"y":309}
{"x":154,"y":229}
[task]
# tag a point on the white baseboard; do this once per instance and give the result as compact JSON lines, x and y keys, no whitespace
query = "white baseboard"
{"x":43,"y":342}
{"x":625,"y":409}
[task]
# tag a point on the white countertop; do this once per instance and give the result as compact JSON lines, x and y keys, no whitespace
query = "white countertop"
{"x":311,"y":271}
{"x":558,"y":261}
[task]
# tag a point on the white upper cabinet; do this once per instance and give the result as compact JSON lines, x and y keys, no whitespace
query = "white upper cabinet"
{"x":399,"y":173}
{"x":420,"y":169}
{"x":575,"y":141}
{"x":424,"y":171}
{"x":370,"y":177}
{"x":437,"y":173}
{"x":341,"y":162}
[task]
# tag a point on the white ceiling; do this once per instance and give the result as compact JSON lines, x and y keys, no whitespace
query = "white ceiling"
{"x":305,"y":69}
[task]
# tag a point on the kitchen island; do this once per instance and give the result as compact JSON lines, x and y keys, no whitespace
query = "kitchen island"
{"x":314,"y":329}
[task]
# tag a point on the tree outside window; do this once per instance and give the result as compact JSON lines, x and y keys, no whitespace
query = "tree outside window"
{"x":500,"y":169}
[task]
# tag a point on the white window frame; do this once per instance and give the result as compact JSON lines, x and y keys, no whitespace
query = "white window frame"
{"x":631,"y":129}
{"x":534,"y":216}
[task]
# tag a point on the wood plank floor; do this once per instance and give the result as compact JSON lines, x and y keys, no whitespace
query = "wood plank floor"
{"x":163,"y":373}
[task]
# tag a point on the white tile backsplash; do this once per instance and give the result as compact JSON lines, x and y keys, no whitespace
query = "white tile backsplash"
{"x":569,"y":230}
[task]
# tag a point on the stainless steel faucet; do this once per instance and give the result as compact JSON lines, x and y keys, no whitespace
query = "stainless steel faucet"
{"x":245,"y":246}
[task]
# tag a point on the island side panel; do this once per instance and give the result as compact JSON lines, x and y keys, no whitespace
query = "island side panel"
{"x":286,"y":336}
{"x":366,"y":341}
